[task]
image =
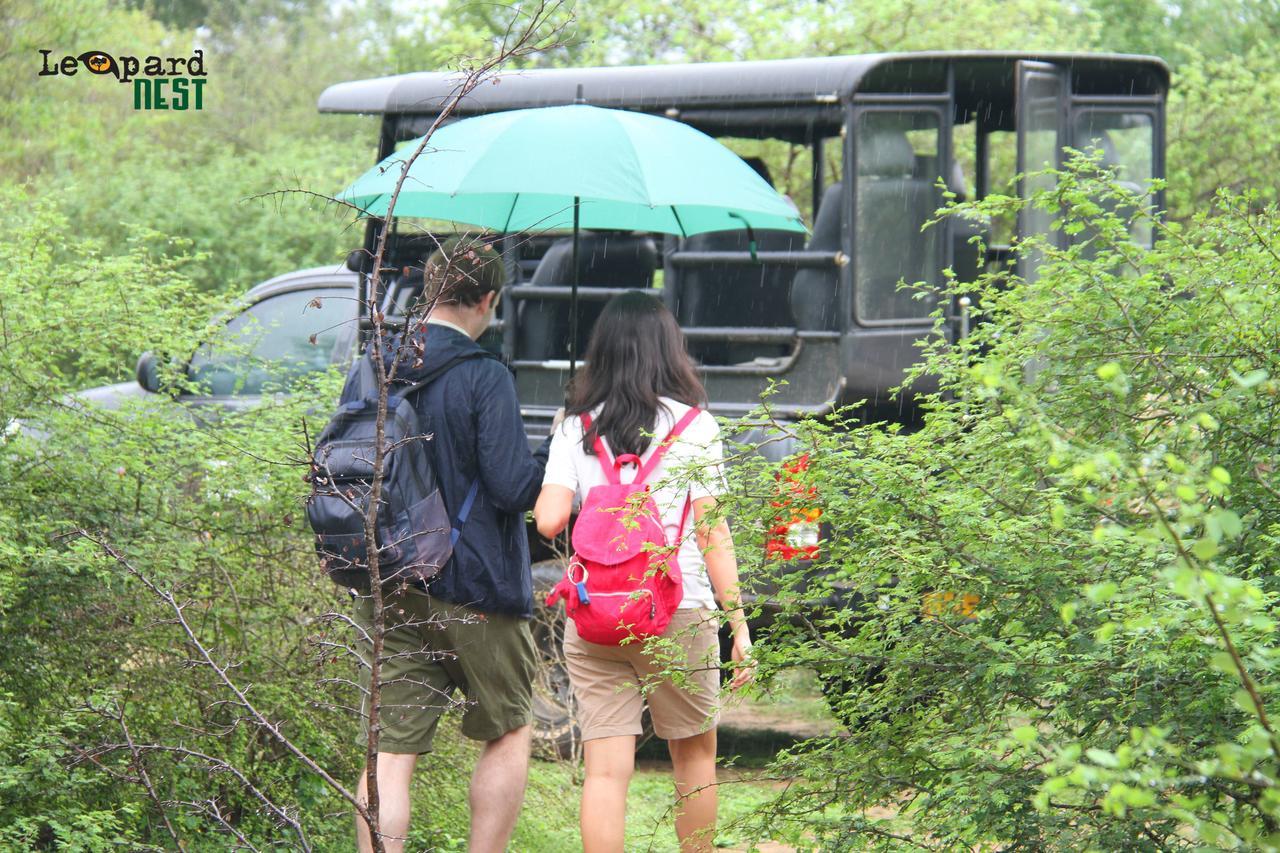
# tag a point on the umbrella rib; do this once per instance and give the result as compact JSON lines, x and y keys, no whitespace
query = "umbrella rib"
{"x":676,"y":214}
{"x":506,"y":226}
{"x":366,"y":209}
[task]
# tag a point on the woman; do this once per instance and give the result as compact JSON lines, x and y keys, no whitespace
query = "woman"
{"x":637,"y":382}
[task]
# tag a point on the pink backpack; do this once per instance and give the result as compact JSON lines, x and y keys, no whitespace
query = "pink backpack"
{"x":623,"y":580}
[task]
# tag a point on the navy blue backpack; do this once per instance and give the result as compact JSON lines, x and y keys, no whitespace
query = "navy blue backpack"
{"x":415,"y":534}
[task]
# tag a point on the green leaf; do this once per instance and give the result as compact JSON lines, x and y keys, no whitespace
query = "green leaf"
{"x":1068,"y":612}
{"x":1245,"y":701}
{"x":1205,"y":548}
{"x":1102,"y":758}
{"x":1212,"y":529}
{"x":1252,"y":378}
{"x":1229,"y":522}
{"x":1223,"y":662}
{"x":1025,"y":734}
{"x":1101,"y":592}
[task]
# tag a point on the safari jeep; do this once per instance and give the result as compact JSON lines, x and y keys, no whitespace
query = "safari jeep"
{"x":864,"y":146}
{"x":860,"y":143}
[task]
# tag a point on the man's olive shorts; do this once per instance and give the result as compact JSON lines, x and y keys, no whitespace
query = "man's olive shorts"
{"x":432,"y":648}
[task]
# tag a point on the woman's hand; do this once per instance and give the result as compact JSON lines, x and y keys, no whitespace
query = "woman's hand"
{"x":716,"y":543}
{"x":744,"y":667}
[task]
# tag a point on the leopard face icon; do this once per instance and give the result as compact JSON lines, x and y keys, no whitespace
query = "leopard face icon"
{"x":99,"y":63}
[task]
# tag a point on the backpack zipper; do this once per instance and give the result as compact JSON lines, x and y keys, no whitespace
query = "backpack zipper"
{"x":653,"y":607}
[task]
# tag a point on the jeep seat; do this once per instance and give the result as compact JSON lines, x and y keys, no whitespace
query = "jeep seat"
{"x":889,"y":245}
{"x":605,"y":259}
{"x":814,"y":299}
{"x":736,"y":295}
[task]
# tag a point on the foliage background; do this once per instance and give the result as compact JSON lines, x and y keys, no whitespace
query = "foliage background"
{"x":127,"y":230}
{"x":1098,"y":471}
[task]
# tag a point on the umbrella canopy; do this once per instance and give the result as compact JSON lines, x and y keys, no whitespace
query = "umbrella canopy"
{"x":523,"y":170}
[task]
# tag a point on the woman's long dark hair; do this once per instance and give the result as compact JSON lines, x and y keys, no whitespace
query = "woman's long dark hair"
{"x":636,"y":355}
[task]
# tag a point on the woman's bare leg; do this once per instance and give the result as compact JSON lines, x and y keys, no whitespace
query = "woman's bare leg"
{"x":693,"y":761}
{"x":610,"y":762}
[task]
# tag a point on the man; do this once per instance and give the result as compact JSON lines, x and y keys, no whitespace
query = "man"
{"x":469,"y":630}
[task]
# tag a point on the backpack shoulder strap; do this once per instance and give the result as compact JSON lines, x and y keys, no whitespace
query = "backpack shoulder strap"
{"x":394,"y":398}
{"x":688,"y":418}
{"x":456,"y":530}
{"x":360,"y":382}
{"x":656,"y":459}
{"x":684,"y":517}
{"x":606,"y":464}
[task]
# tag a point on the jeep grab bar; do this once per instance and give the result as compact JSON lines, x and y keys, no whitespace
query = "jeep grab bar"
{"x":586,"y":292}
{"x":762,"y":367}
{"x":800,"y":260}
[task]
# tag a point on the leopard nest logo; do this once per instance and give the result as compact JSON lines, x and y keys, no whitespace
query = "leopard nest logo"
{"x":168,"y":83}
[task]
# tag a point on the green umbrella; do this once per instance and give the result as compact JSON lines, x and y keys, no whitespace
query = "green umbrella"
{"x":576,"y":166}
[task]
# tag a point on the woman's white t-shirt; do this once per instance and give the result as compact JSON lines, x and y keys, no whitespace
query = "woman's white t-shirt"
{"x":692,"y":467}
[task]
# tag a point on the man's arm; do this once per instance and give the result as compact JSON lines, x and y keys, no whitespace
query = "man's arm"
{"x":511,"y":475}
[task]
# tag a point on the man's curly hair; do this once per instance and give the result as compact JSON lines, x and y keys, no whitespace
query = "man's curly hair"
{"x":461,"y":272}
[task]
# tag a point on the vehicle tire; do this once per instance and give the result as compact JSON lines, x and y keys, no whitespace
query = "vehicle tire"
{"x":555,"y":729}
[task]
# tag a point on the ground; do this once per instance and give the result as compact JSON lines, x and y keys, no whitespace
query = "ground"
{"x":750,"y":732}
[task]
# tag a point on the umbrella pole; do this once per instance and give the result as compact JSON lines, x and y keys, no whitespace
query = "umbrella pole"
{"x":573,"y":298}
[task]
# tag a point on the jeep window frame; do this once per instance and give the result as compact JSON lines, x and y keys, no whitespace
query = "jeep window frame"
{"x":942,"y":106}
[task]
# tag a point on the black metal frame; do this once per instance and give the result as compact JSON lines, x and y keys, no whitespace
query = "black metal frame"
{"x":941,"y":104}
{"x":1023,"y":73}
{"x":1153,"y":106}
{"x":690,"y":87}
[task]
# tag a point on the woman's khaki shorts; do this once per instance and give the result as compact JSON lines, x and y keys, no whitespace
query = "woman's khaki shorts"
{"x":611,"y":683}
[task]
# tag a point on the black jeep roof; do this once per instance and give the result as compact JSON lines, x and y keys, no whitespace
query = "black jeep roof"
{"x":775,"y":82}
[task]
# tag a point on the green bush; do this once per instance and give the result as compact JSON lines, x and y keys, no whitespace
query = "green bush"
{"x":1100,"y":470}
{"x":210,"y":516}
{"x":1223,"y":118}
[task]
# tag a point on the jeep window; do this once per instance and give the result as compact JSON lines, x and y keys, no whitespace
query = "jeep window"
{"x":269,"y":345}
{"x":897,"y":193}
{"x":789,"y":167}
{"x":1124,"y":142}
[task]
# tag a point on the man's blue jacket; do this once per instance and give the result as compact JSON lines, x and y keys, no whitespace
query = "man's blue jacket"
{"x":474,"y":416}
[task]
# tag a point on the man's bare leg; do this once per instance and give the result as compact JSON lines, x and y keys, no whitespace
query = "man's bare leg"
{"x":497,"y":790}
{"x":395,"y":770}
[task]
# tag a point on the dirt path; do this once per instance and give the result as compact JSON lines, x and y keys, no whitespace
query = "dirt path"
{"x":754,"y":717}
